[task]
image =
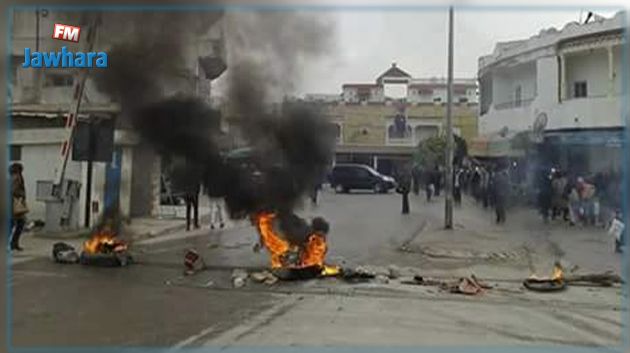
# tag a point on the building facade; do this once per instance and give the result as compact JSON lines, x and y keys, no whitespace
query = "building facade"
{"x":382,"y":131}
{"x":564,"y":87}
{"x":40,"y":104}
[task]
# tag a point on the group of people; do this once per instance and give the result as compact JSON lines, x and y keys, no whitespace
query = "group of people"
{"x":576,"y":199}
{"x":487,"y":185}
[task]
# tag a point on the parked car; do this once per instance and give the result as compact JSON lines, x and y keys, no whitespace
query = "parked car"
{"x":345,"y":177}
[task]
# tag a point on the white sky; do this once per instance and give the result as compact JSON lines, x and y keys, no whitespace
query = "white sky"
{"x":368,"y":41}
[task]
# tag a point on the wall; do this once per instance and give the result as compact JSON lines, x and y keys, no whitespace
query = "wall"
{"x":40,"y":162}
{"x":591,"y":67}
{"x":590,"y":113}
{"x":505,"y":83}
{"x":374,"y":119}
{"x":547,"y":82}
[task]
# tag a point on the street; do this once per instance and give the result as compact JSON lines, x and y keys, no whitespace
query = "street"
{"x":152,"y":304}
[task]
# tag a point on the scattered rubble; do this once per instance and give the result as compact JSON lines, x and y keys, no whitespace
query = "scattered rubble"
{"x":239,"y":277}
{"x":382,"y":279}
{"x":64,"y":254}
{"x":265,"y":277}
{"x":394,"y":272}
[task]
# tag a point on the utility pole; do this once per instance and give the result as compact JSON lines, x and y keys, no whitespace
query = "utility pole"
{"x":448,"y":204}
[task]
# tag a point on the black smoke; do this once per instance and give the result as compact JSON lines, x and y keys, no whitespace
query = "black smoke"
{"x":151,"y":75}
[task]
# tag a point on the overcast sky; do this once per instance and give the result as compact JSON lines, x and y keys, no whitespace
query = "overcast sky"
{"x":368,"y":41}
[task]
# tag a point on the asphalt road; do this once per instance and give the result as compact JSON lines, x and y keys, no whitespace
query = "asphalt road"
{"x":152,"y":304}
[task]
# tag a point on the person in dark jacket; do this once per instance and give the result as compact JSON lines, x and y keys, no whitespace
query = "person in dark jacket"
{"x":501,"y":189}
{"x":18,"y":205}
{"x":187,"y":182}
{"x":404,"y":187}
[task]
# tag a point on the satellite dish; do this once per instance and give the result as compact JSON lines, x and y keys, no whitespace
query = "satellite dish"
{"x":538,"y":129}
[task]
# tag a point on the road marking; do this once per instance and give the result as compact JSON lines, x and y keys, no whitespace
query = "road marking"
{"x":233,"y":335}
{"x":192,"y":339}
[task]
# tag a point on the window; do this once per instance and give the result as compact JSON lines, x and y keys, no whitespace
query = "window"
{"x":437,"y":99}
{"x":579,"y":89}
{"x":517,"y":96}
{"x":463,"y":99}
{"x":59,"y":80}
{"x":15,"y":153}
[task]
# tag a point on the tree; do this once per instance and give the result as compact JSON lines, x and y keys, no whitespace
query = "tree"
{"x":431,"y":152}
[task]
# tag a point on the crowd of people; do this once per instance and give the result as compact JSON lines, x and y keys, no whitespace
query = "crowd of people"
{"x":586,"y":201}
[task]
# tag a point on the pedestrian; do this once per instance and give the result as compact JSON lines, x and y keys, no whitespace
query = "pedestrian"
{"x":404,"y":187}
{"x":457,"y":187}
{"x":559,"y":200}
{"x":485,"y":182}
{"x":191,"y":197}
{"x":545,"y":195}
{"x":437,"y":180}
{"x":217,"y":218}
{"x":415,"y":174}
{"x":314,"y":193}
{"x":18,"y":205}
{"x":501,"y":187}
{"x":186,"y":181}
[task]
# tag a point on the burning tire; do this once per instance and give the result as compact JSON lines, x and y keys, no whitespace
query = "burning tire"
{"x":105,"y":260}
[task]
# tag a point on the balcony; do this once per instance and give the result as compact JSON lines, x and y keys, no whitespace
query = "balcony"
{"x":514,"y":104}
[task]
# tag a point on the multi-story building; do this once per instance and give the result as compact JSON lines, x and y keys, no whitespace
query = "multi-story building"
{"x":380,"y":130}
{"x":40,"y":103}
{"x":563,"y":85}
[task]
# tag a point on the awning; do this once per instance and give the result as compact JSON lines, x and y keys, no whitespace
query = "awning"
{"x":607,"y":138}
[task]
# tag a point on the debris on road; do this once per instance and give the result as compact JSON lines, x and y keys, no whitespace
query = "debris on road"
{"x":394,"y":272}
{"x":466,"y":286}
{"x":239,"y":277}
{"x":605,"y":279}
{"x":193,"y":262}
{"x":265,"y":277}
{"x":238,"y":282}
{"x":382,"y":279}
{"x":64,"y":254}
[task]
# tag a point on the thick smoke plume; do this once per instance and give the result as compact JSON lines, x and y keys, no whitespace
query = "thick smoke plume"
{"x":291,"y":145}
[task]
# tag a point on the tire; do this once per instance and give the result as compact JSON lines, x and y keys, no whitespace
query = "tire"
{"x":378,"y":188}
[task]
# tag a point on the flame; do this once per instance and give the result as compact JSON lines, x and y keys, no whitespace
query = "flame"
{"x":311,"y":254}
{"x":557,"y":275}
{"x":102,"y":243}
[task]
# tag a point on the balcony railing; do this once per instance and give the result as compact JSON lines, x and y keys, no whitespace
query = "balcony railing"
{"x":514,"y":104}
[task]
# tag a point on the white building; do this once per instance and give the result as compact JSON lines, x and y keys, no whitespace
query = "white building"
{"x":435,"y":90}
{"x":396,"y":84}
{"x":566,"y":82}
{"x":40,"y":103}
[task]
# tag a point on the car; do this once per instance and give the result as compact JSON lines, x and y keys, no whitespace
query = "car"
{"x":346,"y":177}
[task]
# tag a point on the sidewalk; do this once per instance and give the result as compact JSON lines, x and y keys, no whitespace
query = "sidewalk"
{"x":522,"y":246}
{"x":38,"y":244}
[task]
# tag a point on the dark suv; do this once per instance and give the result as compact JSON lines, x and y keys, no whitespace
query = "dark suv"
{"x":345,"y":177}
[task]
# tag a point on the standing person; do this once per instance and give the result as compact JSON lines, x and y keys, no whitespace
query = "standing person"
{"x":429,"y":187}
{"x":437,"y":180}
{"x":485,"y":182}
{"x":186,"y":182}
{"x":415,"y":175}
{"x":545,"y":195}
{"x":18,"y":205}
{"x":216,"y":213}
{"x":314,"y":192}
{"x":457,"y":187}
{"x":501,"y":187}
{"x":559,"y":199}
{"x":191,"y":197}
{"x":404,"y":187}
